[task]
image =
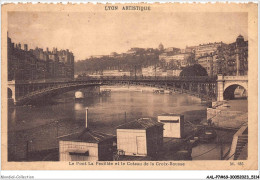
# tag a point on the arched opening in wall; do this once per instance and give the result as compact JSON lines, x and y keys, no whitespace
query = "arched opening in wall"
{"x":10,"y":93}
{"x":235,"y":91}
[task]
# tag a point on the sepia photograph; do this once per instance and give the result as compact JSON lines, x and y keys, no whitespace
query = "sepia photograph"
{"x":129,"y":83}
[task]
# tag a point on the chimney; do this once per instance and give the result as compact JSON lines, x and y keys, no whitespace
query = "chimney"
{"x":86,"y":124}
{"x":25,"y":47}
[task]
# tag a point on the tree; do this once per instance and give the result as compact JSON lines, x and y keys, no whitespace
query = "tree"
{"x":142,"y":58}
{"x":194,"y":70}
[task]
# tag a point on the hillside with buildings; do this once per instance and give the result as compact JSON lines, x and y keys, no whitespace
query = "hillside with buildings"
{"x":216,"y":58}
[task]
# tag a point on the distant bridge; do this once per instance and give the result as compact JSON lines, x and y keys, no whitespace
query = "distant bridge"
{"x":203,"y":87}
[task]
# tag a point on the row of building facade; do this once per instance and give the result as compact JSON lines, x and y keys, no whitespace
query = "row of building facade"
{"x":150,"y":71}
{"x":217,"y":57}
{"x":38,"y":64}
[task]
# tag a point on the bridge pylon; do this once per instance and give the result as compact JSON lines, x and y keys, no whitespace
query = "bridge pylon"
{"x":226,"y":86}
{"x":11,"y":91}
{"x":220,"y":87}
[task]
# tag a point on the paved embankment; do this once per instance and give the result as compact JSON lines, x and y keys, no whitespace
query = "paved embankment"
{"x":229,"y":114}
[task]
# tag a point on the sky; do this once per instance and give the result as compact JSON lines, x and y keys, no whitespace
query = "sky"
{"x":100,"y":33}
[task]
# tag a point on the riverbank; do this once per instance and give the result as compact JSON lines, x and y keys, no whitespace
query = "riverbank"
{"x":229,"y":114}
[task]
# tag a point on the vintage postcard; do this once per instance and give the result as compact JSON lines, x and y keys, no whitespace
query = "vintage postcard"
{"x":169,"y":86}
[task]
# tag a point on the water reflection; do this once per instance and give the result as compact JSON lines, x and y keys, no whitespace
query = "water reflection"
{"x":78,"y":106}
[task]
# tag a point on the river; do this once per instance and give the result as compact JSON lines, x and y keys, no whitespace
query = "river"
{"x":32,"y":128}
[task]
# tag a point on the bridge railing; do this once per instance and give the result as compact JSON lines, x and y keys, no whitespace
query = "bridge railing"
{"x":152,"y":78}
{"x":235,"y":77}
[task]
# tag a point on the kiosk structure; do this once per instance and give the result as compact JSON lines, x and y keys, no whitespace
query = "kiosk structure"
{"x":173,"y":125}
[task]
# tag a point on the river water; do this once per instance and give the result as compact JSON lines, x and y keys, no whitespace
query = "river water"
{"x":33,"y":128}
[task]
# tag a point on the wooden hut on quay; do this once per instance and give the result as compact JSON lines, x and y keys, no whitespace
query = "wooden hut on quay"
{"x":173,"y":125}
{"x":86,"y":145}
{"x":142,"y":137}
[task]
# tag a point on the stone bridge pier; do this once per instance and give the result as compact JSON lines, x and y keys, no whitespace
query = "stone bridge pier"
{"x":226,"y":86}
{"x":11,"y":94}
{"x":17,"y":90}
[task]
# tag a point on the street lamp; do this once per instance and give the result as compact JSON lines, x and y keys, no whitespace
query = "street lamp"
{"x":125,"y":117}
{"x":155,"y":71}
{"x":57,"y":128}
{"x":135,"y":72}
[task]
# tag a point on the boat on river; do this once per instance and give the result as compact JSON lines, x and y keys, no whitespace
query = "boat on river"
{"x":158,"y":91}
{"x":79,"y":96}
{"x":105,"y":92}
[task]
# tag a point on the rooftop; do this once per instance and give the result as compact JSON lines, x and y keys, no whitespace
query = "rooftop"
{"x":240,"y":37}
{"x":143,"y":123}
{"x":88,"y":136}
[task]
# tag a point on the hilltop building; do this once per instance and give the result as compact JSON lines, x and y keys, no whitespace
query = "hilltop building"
{"x":206,"y":49}
{"x":178,"y":60}
{"x":135,"y":50}
{"x":209,"y":63}
{"x":160,"y":47}
{"x":172,"y":50}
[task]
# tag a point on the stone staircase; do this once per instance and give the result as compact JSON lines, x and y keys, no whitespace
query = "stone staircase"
{"x":241,"y":143}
